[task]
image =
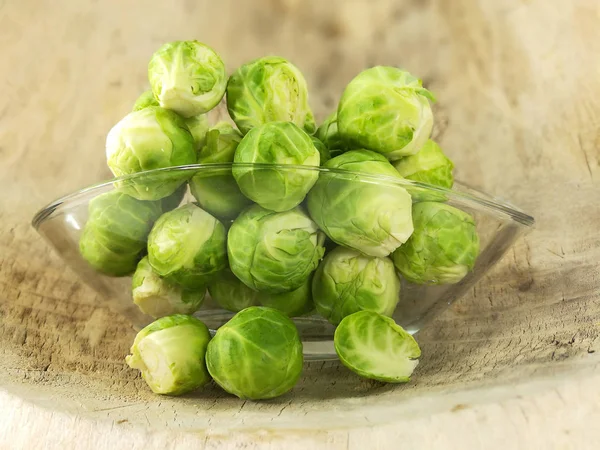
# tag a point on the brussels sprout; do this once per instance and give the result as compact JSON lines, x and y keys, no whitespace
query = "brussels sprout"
{"x":429,"y":166}
{"x":387,"y":110}
{"x":230,"y":293}
{"x":121,"y":222}
{"x":145,"y":100}
{"x":347,"y":282}
{"x":371,"y":217}
{"x":170,"y":353}
{"x":216,"y":189}
{"x":443,"y":247}
{"x":322,"y":149}
{"x":174,"y":200}
{"x":374,"y":346}
{"x":197,"y":125}
{"x":274,"y":252}
{"x":102,"y":258}
{"x":151,"y":138}
{"x":276,"y":143}
{"x":158,"y":297}
{"x":294,"y":303}
{"x":329,"y":135}
{"x":187,"y":77}
{"x":187,"y":246}
{"x":269,"y":89}
{"x":116,"y":232}
{"x":256,"y":355}
{"x":363,"y":161}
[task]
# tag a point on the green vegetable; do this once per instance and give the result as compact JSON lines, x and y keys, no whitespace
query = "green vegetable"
{"x":256,"y":355}
{"x":145,"y":100}
{"x":387,"y":110}
{"x":187,"y":77}
{"x":116,"y":232}
{"x":268,"y":89}
{"x":373,"y":346}
{"x":159,"y":297}
{"x":170,"y":353}
{"x":121,"y":221}
{"x":294,"y":303}
{"x":276,"y":143}
{"x":198,"y":126}
{"x":230,"y":293}
{"x":347,"y":282}
{"x":371,"y":217}
{"x":329,"y":134}
{"x":274,"y":252}
{"x":443,"y":247}
{"x":187,"y":246}
{"x":102,"y":258}
{"x":429,"y":166}
{"x":151,"y":138}
{"x":215,"y":189}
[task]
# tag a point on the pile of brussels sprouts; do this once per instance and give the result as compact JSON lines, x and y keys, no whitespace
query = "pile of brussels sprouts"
{"x":273,"y":241}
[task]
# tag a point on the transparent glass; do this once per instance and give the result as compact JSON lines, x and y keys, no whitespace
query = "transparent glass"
{"x":498,"y":225}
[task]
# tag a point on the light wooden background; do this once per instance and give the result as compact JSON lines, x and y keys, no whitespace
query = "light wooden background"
{"x":515,"y":364}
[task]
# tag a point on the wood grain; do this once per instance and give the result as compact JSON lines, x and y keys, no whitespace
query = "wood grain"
{"x":516,"y":363}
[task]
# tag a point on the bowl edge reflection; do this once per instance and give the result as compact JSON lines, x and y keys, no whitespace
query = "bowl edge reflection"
{"x":480,"y":199}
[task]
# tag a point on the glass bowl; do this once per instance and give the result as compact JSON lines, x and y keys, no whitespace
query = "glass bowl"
{"x":498,"y":225}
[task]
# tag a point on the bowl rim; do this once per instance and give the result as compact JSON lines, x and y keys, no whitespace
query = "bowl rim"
{"x":480,"y":199}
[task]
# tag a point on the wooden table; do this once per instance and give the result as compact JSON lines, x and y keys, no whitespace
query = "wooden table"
{"x":514,"y":364}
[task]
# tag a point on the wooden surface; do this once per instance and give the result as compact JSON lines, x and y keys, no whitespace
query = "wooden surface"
{"x":514,"y":364}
